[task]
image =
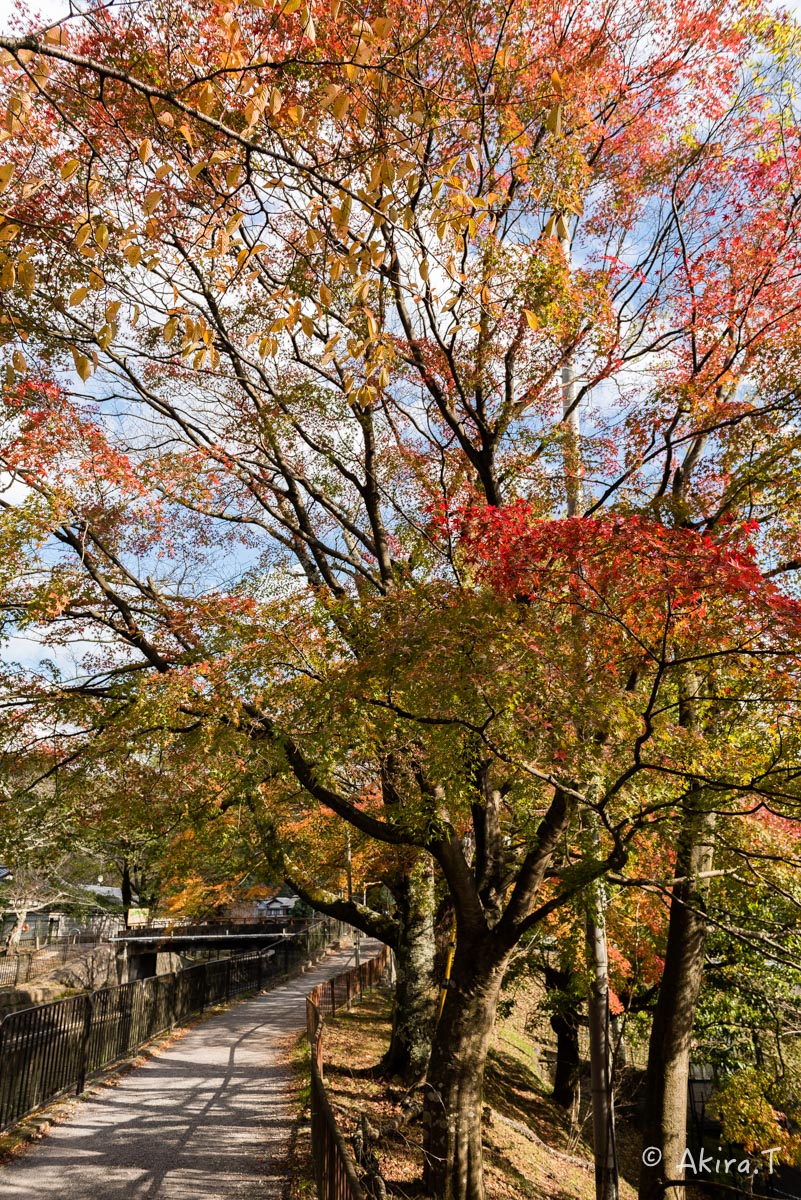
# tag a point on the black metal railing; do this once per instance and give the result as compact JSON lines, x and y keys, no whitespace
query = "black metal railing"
{"x":334,"y":1170}
{"x":54,"y":1048}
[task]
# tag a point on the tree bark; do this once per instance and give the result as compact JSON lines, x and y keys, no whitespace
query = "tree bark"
{"x":665,"y":1125}
{"x":565,"y":1018}
{"x":453,"y":1168}
{"x":14,"y":935}
{"x":415,"y":985}
{"x":126,"y":889}
{"x":603,"y":1110}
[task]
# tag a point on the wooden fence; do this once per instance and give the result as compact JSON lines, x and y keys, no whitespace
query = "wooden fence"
{"x":334,"y":1170}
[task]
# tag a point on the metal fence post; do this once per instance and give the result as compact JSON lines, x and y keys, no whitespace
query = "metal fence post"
{"x":89,"y":1007}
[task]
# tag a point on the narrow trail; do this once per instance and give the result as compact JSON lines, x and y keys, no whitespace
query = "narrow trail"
{"x":207,"y":1119}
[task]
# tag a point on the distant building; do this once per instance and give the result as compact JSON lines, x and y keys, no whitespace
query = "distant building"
{"x":278,"y":906}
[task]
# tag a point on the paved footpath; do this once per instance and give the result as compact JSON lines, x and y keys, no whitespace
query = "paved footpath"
{"x":207,"y":1119}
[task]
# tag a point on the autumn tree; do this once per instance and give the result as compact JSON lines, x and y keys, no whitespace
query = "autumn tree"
{"x":336,"y":287}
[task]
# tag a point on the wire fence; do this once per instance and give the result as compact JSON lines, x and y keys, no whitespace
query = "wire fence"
{"x":334,"y":1170}
{"x":52,"y":1049}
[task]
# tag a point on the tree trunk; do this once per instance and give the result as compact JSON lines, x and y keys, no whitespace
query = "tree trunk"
{"x":454,"y":1096}
{"x":565,"y":1017}
{"x":415,"y":985}
{"x":14,"y":935}
{"x":665,"y":1125}
{"x":126,"y":889}
{"x":603,"y":1111}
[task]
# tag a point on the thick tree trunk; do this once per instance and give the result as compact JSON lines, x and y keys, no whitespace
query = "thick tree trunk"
{"x":665,"y":1124}
{"x":565,"y":1016}
{"x":415,"y":985}
{"x":454,"y":1096}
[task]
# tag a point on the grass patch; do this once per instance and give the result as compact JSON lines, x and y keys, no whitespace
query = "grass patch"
{"x":299,"y":1171}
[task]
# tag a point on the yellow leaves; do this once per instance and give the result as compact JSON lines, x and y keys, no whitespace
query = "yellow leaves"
{"x":206,"y":99}
{"x":382,"y":27}
{"x":96,"y":280}
{"x":307,"y":26}
{"x":8,"y":233}
{"x":26,"y":276}
{"x":532,"y":320}
{"x":562,"y":228}
{"x":151,"y":202}
{"x":82,"y":364}
{"x":105,"y":336}
{"x":362,"y":290}
{"x":78,"y":296}
{"x":145,"y":150}
{"x":133,"y":254}
{"x":471,"y":162}
{"x":553,"y":121}
{"x":550,"y":226}
{"x":56,"y":36}
{"x":69,"y":168}
{"x":112,"y":311}
{"x":6,"y":175}
{"x":328,"y":352}
{"x":556,"y":80}
{"x":82,"y":236}
{"x":307,"y":325}
{"x":296,"y":112}
{"x":170,"y":329}
{"x":276,"y":101}
{"x":337,"y":100}
{"x":326,"y":296}
{"x":101,"y":236}
{"x":333,"y":9}
{"x":424,"y":270}
{"x":234,"y":176}
{"x":290,"y":7}
{"x":340,"y":215}
{"x":8,"y":274}
{"x":19,"y":363}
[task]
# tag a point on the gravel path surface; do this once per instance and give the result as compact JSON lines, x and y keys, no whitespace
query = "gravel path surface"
{"x":207,"y":1119}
